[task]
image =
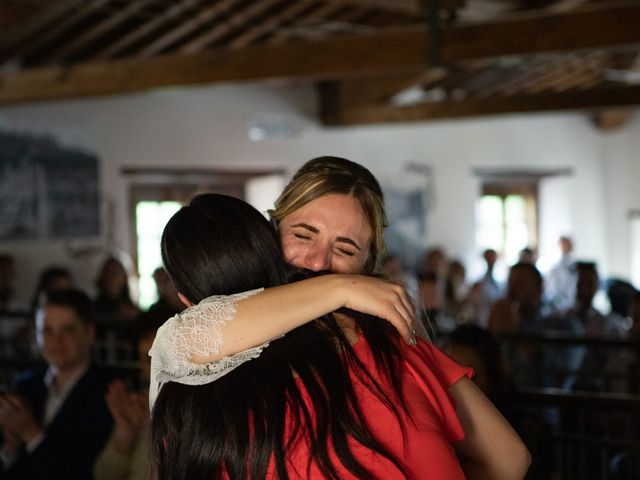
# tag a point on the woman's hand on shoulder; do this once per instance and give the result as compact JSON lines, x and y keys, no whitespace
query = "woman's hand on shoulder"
{"x":381,"y":298}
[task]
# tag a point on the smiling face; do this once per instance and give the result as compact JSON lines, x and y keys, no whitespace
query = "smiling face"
{"x":329,"y":233}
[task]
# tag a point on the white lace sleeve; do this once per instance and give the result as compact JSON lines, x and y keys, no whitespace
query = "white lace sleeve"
{"x":196,"y":332}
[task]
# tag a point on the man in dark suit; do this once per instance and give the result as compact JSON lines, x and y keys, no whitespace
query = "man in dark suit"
{"x":55,"y":421}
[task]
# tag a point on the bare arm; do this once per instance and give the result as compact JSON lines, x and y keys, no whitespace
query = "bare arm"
{"x":209,"y":340}
{"x":491,"y":450}
{"x":278,"y":310}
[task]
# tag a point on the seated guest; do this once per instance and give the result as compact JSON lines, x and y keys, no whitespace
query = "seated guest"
{"x":436,"y":263}
{"x":528,"y":255}
{"x":485,"y":291}
{"x":634,"y":314}
{"x":7,"y":284}
{"x":521,"y":308}
{"x":51,"y":279}
{"x":126,"y":455}
{"x":634,"y":334}
{"x":582,"y":320}
{"x":521,"y":311}
{"x":456,"y":290}
{"x":16,"y":324}
{"x":168,"y":303}
{"x":432,"y":315}
{"x":560,"y":280}
{"x":621,"y":296}
{"x":55,"y":420}
{"x":583,"y":317}
{"x":622,"y":370}
{"x":393,"y":268}
{"x":476,"y":347}
{"x":114,"y":298}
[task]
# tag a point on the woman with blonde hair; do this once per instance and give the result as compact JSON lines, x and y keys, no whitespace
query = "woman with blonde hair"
{"x":331,"y":216}
{"x":219,"y":335}
{"x":313,"y":404}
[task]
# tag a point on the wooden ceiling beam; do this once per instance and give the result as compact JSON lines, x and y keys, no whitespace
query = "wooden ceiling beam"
{"x":593,"y":27}
{"x":565,"y":5}
{"x":57,"y":28}
{"x":272,"y":24}
{"x":583,"y":81}
{"x":396,"y":6}
{"x":237,"y":19}
{"x":12,"y":37}
{"x":364,"y":55}
{"x":514,"y":80}
{"x":78,"y":43}
{"x":579,"y":71}
{"x":612,"y":119}
{"x":174,"y":11}
{"x":570,"y":67}
{"x":337,"y":110}
{"x":311,"y":18}
{"x":408,"y":7}
{"x":15,"y":13}
{"x":201,"y":18}
{"x":378,"y":90}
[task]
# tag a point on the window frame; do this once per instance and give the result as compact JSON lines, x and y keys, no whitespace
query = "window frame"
{"x":528,"y":189}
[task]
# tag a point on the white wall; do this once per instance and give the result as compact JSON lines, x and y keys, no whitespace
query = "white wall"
{"x":207,"y":127}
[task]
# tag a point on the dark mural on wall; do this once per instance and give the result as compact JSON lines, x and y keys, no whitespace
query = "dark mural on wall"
{"x":46,"y":190}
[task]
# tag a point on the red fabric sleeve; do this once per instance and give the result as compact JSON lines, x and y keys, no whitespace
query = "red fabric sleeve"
{"x":435,"y":372}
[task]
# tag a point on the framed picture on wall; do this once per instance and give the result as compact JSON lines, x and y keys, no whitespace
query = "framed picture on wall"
{"x":47,"y":190}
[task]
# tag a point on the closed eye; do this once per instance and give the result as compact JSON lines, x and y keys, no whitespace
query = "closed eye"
{"x":302,"y":237}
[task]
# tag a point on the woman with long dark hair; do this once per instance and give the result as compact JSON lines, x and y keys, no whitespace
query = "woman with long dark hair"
{"x":113,"y":298}
{"x":338,"y":397}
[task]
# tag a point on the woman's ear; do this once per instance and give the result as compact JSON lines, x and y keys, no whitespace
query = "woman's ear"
{"x":184,"y":300}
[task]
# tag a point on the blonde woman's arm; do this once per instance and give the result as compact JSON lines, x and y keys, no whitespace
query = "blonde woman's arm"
{"x":491,"y":450}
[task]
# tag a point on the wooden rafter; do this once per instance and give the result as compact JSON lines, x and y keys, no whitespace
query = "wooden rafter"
{"x":12,"y":38}
{"x":397,"y":6}
{"x":314,"y":16}
{"x":519,"y":77}
{"x":355,"y":16}
{"x":545,"y":70}
{"x":98,"y":30}
{"x":54,"y":30}
{"x":202,"y":18}
{"x":566,"y":5}
{"x":399,"y":51}
{"x":173,"y":12}
{"x":458,"y":79}
{"x":16,"y":13}
{"x":377,"y":90}
{"x":534,"y":33}
{"x":237,"y":19}
{"x":274,"y":23}
{"x":337,"y":110}
{"x":485,"y":79}
{"x":612,"y":119}
{"x":584,"y":80}
{"x":568,"y":74}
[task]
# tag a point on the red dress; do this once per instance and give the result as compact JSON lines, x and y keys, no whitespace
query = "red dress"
{"x":427,"y":452}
